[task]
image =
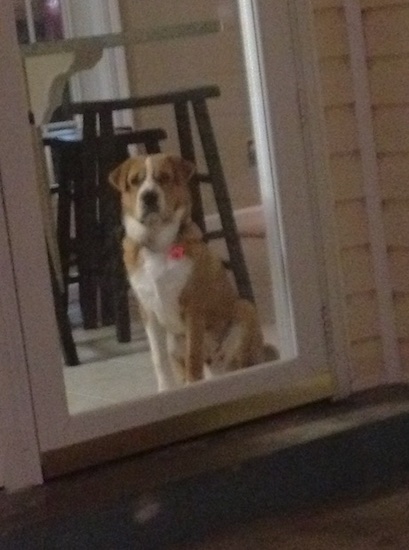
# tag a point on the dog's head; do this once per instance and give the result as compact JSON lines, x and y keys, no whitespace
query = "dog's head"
{"x":154,"y":191}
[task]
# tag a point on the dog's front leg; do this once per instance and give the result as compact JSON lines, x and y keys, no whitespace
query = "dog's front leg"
{"x":165,"y":375}
{"x":195,"y":331}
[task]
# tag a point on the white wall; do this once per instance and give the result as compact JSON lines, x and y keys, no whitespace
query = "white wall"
{"x":189,"y":62}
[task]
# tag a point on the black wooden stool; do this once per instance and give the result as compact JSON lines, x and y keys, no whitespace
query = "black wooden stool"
{"x":180,"y":102}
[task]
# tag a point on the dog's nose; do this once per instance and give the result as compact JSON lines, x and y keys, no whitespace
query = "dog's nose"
{"x":150,"y":199}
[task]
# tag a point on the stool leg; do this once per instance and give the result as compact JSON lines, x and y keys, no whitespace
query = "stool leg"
{"x":187,"y":152}
{"x":114,"y":278}
{"x":106,"y":214}
{"x":64,"y":198}
{"x":123,"y":320}
{"x":87,"y":225}
{"x":64,"y":328}
{"x":223,"y":202}
{"x":152,"y":147}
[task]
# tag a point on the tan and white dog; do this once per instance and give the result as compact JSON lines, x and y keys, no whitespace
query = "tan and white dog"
{"x":196,"y":324}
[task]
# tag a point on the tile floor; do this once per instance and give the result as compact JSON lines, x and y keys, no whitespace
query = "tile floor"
{"x":112,"y":373}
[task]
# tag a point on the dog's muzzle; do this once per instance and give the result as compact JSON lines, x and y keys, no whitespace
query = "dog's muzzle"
{"x":150,"y":202}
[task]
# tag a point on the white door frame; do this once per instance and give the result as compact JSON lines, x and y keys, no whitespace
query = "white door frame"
{"x":19,"y":448}
{"x":322,"y":205}
{"x":56,"y":428}
{"x":18,"y":433}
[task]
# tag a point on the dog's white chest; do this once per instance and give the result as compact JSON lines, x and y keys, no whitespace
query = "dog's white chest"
{"x":158,"y":283}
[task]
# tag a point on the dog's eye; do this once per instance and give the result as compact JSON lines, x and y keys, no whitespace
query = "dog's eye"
{"x":163,"y":177}
{"x":138,"y":178}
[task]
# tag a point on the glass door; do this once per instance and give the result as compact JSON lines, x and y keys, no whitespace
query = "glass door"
{"x":217,"y":82}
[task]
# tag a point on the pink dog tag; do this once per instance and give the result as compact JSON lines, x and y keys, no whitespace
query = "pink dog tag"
{"x":176,"y":252}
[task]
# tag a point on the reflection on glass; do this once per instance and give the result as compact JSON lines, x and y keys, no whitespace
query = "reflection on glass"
{"x":215,"y":131}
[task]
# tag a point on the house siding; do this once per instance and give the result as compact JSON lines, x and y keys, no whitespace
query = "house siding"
{"x":386,"y":28}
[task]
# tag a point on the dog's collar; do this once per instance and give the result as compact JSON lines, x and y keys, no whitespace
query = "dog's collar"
{"x":189,"y":232}
{"x":176,"y":251}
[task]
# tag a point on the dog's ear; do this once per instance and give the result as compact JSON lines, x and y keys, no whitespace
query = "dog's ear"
{"x":186,"y":168}
{"x":119,"y":176}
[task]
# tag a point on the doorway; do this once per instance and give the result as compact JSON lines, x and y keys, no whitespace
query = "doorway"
{"x":259,"y":140}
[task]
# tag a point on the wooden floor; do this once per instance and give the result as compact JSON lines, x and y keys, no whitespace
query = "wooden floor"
{"x":378,"y":521}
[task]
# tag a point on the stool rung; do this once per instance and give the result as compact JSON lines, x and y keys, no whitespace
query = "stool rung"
{"x":217,"y":234}
{"x":204,"y":178}
{"x":73,"y":279}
